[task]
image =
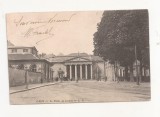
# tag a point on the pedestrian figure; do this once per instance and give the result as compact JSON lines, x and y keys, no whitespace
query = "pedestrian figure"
{"x":60,"y":73}
{"x":61,"y":78}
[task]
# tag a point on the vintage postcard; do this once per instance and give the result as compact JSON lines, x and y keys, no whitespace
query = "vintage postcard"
{"x":78,"y":56}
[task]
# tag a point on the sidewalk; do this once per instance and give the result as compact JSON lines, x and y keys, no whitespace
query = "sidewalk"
{"x":17,"y":89}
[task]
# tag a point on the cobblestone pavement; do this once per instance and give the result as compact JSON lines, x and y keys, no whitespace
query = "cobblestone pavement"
{"x":84,"y":91}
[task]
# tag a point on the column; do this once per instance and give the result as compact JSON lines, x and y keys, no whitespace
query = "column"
{"x":91,"y":71}
{"x":80,"y":71}
{"x":86,"y":71}
{"x":70,"y":75}
{"x":75,"y":72}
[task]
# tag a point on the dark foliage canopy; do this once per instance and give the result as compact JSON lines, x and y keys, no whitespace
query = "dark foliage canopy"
{"x":118,"y":33}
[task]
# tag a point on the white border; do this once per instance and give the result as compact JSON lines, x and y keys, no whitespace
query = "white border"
{"x":124,"y":109}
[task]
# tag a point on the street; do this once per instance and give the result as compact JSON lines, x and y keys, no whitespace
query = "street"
{"x":84,"y":91}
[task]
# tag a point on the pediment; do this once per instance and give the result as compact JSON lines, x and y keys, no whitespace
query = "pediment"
{"x":78,"y":59}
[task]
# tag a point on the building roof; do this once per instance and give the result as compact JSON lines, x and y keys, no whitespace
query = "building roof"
{"x":21,"y":47}
{"x":78,"y":54}
{"x":9,"y":43}
{"x":48,"y":56}
{"x":68,"y":58}
{"x":60,"y":58}
{"x":54,"y":59}
{"x":22,"y":57}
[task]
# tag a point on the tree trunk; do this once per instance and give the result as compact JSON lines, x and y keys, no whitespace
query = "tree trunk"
{"x":144,"y":73}
{"x":126,"y":73}
{"x":140,"y":74}
{"x":115,"y":69}
{"x":131,"y":73}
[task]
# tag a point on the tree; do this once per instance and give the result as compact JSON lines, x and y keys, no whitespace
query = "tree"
{"x":118,"y":33}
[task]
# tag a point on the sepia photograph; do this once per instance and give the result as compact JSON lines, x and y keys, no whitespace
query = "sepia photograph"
{"x":78,"y":56}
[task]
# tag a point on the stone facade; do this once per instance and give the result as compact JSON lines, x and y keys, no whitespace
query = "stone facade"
{"x":79,"y":68}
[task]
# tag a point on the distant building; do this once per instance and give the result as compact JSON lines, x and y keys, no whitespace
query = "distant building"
{"x":111,"y":70}
{"x":145,"y":76}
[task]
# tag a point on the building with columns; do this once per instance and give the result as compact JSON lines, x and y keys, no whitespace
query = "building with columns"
{"x":79,"y":67}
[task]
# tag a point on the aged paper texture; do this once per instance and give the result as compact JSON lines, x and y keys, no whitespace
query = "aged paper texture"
{"x":78,"y":56}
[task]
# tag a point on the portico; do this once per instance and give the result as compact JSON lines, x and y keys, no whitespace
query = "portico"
{"x":79,"y":70}
{"x":78,"y":67}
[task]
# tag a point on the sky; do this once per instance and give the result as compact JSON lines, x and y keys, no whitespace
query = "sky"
{"x":54,"y":32}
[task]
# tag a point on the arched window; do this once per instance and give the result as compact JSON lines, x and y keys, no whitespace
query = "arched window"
{"x":33,"y":68}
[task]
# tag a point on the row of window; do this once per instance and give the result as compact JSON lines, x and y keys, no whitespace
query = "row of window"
{"x":32,"y":67}
{"x":15,"y":50}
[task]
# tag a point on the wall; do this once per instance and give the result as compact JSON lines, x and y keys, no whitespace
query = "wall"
{"x":17,"y":77}
{"x":34,"y":77}
{"x":42,"y":67}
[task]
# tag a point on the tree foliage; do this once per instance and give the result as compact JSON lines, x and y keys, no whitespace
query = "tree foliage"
{"x":117,"y":34}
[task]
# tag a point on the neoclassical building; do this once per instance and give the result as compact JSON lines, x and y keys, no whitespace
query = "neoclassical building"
{"x":78,"y":66}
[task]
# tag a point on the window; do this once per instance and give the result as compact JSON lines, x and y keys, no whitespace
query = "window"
{"x":33,"y":68}
{"x":20,"y":66}
{"x":14,"y":50}
{"x":25,"y":50}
